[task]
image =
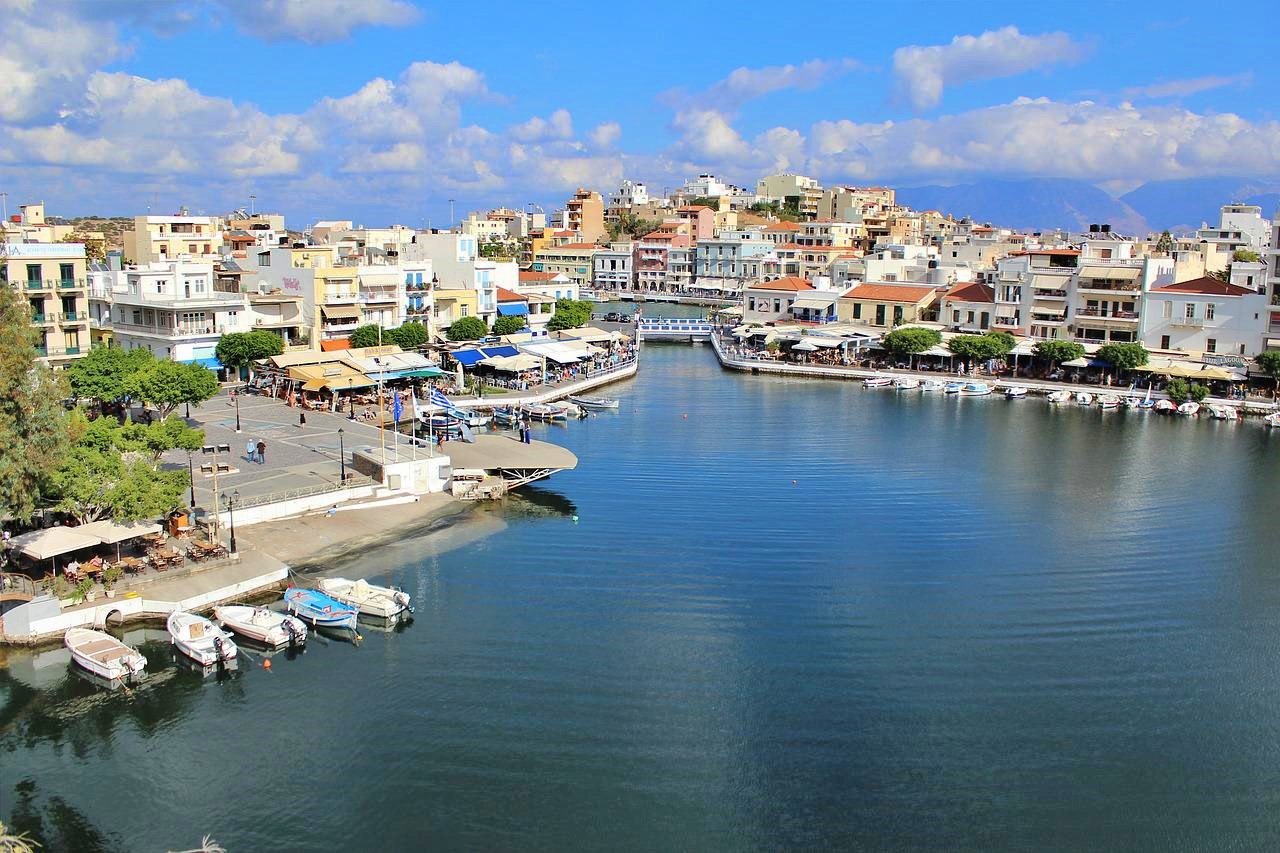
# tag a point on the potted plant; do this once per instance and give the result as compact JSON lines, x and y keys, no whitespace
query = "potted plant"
{"x":110,"y":576}
{"x":83,"y":591}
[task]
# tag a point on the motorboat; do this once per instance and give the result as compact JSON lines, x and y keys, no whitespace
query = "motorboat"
{"x":1109,"y":401}
{"x":442,"y":423}
{"x":544,"y":411}
{"x":975,"y":389}
{"x":385,"y":602}
{"x":1272,"y":420}
{"x":573,"y":410}
{"x":906,"y":383}
{"x":1015,"y":392}
{"x":877,"y":382}
{"x":103,"y":655}
{"x":318,"y":609}
{"x":468,"y":417}
{"x":1084,"y":398}
{"x":1146,"y":404}
{"x":506,"y":415}
{"x":1131,"y":402}
{"x":932,"y":385}
{"x":953,"y":387}
{"x":1189,"y":408}
{"x":1223,"y":413}
{"x":262,"y":625}
{"x":1165,"y":407}
{"x":594,"y":402}
{"x":199,"y":639}
{"x":1058,"y":396}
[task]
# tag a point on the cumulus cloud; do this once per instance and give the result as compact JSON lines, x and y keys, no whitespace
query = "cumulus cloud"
{"x":314,"y":21}
{"x":606,"y":134}
{"x":1187,"y":87}
{"x":559,"y":125}
{"x":746,"y":84}
{"x":923,"y":72}
{"x":48,"y":56}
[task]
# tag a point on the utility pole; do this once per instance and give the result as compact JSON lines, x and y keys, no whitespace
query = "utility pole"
{"x":253,"y":204}
{"x":452,"y":221}
{"x":213,"y":450}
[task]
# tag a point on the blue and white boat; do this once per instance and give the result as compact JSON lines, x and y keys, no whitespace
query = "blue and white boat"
{"x":468,"y":417}
{"x":953,"y":387}
{"x":313,"y":606}
{"x":975,"y":389}
{"x":506,"y":415}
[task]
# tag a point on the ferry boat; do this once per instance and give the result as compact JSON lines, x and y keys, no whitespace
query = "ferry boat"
{"x":877,"y":382}
{"x":906,"y":383}
{"x":1015,"y":392}
{"x":975,"y":389}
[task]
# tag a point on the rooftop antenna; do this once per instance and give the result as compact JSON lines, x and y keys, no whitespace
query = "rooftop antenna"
{"x":252,"y":203}
{"x":451,"y":219}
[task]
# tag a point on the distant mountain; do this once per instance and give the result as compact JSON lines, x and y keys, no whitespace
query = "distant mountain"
{"x":1181,"y":205}
{"x":1031,"y":204}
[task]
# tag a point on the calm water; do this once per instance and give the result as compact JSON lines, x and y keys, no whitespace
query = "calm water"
{"x":805,"y":615}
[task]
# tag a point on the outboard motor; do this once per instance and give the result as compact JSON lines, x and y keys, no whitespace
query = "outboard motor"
{"x":217,"y":647}
{"x":294,"y":633}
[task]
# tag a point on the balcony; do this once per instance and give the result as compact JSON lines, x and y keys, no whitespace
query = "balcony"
{"x":1107,"y":286}
{"x":1048,"y":318}
{"x":1048,"y":293}
{"x":69,"y":283}
{"x":169,"y":331}
{"x":340,"y":298}
{"x":1191,"y":322}
{"x":73,"y":316}
{"x":1103,"y":314}
{"x":37,"y":284}
{"x":72,"y":351}
{"x":41,"y":319}
{"x":42,"y":351}
{"x":1006,"y":322}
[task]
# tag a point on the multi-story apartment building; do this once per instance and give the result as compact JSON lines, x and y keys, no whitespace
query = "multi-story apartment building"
{"x":456,"y":262}
{"x":847,"y":204}
{"x":630,"y":194}
{"x":52,"y":279}
{"x":612,"y":270}
{"x":173,"y":309}
{"x":829,"y":232}
{"x":584,"y":214}
{"x":796,"y":190}
{"x":650,"y":258}
{"x":1206,"y":315}
{"x":726,"y":262}
{"x":700,"y":219}
{"x":575,"y":260}
{"x":680,"y":269}
{"x":166,"y":238}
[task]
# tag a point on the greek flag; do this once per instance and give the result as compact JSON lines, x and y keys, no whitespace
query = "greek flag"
{"x":438,"y":399}
{"x":397,"y":408}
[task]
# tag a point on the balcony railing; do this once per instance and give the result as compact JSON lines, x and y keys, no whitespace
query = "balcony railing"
{"x":170,"y":331}
{"x":1108,"y":285}
{"x":36,"y":284}
{"x":41,"y":319}
{"x":74,"y":316}
{"x":1195,"y":322}
{"x":68,"y":283}
{"x":1005,"y":321}
{"x":1048,"y":318}
{"x":1099,"y":312}
{"x":1048,"y":293}
{"x":42,"y":351}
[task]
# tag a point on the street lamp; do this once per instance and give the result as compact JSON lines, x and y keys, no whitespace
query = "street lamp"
{"x":237,"y":413}
{"x":230,"y":502}
{"x":191,"y":472}
{"x":351,"y":402}
{"x":342,"y":456}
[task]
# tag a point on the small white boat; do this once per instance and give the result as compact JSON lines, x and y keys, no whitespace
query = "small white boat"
{"x":953,"y":387}
{"x":103,"y":655}
{"x":877,"y":382}
{"x":1189,"y":408}
{"x":1132,"y":402}
{"x":1084,"y":398}
{"x":975,"y":389}
{"x":475,"y":420}
{"x":1015,"y":392}
{"x":1222,"y":413}
{"x":1165,"y":407}
{"x":906,"y":383}
{"x":262,"y":625}
{"x":594,"y":402}
{"x":1272,"y":420}
{"x":199,"y":639}
{"x":1058,"y":396}
{"x":545,"y":411}
{"x":573,"y":410}
{"x":1109,"y":401}
{"x":932,"y":385}
{"x":384,"y":602}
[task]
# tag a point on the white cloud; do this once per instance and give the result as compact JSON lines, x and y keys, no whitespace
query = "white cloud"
{"x":923,"y":72}
{"x":48,"y":56}
{"x":559,"y":125}
{"x":746,"y":84}
{"x":707,"y":136}
{"x":315,"y":21}
{"x":1187,"y":87}
{"x":606,"y":134}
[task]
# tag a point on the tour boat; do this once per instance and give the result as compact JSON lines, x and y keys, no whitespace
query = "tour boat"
{"x":932,"y":385}
{"x":262,"y":625}
{"x":1084,"y":398}
{"x":975,"y":389}
{"x":320,"y":610}
{"x":1189,"y":408}
{"x":953,"y":387}
{"x":876,"y":382}
{"x":1223,"y":413}
{"x":199,"y":639}
{"x":1015,"y":392}
{"x":1165,"y":407}
{"x":594,"y":402}
{"x":382,"y":601}
{"x":906,"y":383}
{"x":1108,"y":401}
{"x":545,"y":411}
{"x":1058,"y":396}
{"x":1272,"y":420}
{"x":103,"y":655}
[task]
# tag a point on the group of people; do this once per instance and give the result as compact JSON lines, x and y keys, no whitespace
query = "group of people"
{"x":256,"y":451}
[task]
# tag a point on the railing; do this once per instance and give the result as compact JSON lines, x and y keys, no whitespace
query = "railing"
{"x":1005,"y":321}
{"x":68,"y":283}
{"x":36,"y":284}
{"x":1098,"y":312}
{"x":41,"y":319}
{"x":1048,"y":318}
{"x":15,"y":586}
{"x":74,"y":316}
{"x":1107,"y":284}
{"x":71,"y":351}
{"x":1048,"y":293}
{"x":304,"y":491}
{"x":42,"y":351}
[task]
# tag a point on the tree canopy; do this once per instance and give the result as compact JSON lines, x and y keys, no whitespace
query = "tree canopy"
{"x":467,"y":329}
{"x":1164,"y":245}
{"x":570,"y":314}
{"x":238,"y":349}
{"x":408,"y":336}
{"x":1246,"y":256}
{"x":1269,"y":363}
{"x":168,"y":384}
{"x":104,"y":371}
{"x":1124,"y":356}
{"x":369,"y":335}
{"x":911,"y":340}
{"x":629,"y":225}
{"x":992,"y":345}
{"x":1056,"y":352}
{"x":508,"y":325}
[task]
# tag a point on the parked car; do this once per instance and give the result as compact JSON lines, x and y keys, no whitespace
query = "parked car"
{"x":613,"y":317}
{"x":624,"y":318}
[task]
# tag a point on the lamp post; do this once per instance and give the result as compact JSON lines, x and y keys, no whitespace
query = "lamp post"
{"x":351,"y":402}
{"x":237,"y":414}
{"x":342,"y":456}
{"x":230,"y":501}
{"x":191,"y":472}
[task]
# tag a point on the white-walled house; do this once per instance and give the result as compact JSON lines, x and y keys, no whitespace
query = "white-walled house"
{"x":770,"y":301}
{"x":174,"y":310}
{"x":1205,"y":315}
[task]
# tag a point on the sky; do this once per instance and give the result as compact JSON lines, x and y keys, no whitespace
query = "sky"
{"x":382,"y":111}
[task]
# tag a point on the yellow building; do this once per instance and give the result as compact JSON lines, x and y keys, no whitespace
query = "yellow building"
{"x":886,"y":305}
{"x":52,"y":279}
{"x":165,"y":238}
{"x":451,"y":305}
{"x":575,"y":260}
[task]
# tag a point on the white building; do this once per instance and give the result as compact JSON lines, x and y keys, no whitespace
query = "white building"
{"x":1205,"y":315}
{"x":173,"y":309}
{"x":630,"y":194}
{"x":612,"y":268}
{"x":457,"y":265}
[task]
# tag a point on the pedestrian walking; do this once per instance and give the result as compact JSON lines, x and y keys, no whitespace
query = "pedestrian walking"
{"x":302,"y":419}
{"x":251,"y":450}
{"x":262,"y":453}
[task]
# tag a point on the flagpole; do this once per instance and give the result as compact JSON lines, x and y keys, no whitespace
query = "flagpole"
{"x":382,"y":432}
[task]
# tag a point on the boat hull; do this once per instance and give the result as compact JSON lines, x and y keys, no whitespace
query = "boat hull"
{"x":200,"y":640}
{"x":594,"y":402}
{"x":102,"y":655}
{"x":262,"y":626}
{"x":380,"y":602}
{"x":319,"y":610}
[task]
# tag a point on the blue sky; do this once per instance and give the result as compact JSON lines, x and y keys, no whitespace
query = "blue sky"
{"x":382,"y":110}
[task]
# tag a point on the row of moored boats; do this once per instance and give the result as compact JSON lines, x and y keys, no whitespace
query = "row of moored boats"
{"x":337,"y":603}
{"x":967,"y":388}
{"x":454,"y":418}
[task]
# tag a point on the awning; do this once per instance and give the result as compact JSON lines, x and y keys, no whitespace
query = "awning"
{"x":505,"y":350}
{"x":422,"y":373}
{"x":814,"y":301}
{"x":335,"y":345}
{"x":209,"y":361}
{"x":468,"y":357}
{"x":341,"y":312}
{"x":804,"y":346}
{"x":1086,"y":362}
{"x":822,"y":343}
{"x":513,"y":363}
{"x":558,"y":351}
{"x":1120,"y":273}
{"x":587,"y":333}
{"x":52,"y":541}
{"x":111,"y":532}
{"x":313,"y":385}
{"x":512,"y":309}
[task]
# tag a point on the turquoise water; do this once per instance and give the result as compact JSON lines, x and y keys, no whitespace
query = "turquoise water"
{"x":790,"y":614}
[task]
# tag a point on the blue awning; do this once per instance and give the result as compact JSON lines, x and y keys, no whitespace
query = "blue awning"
{"x":210,"y":362}
{"x":512,"y":309}
{"x":468,"y":357}
{"x":491,"y":352}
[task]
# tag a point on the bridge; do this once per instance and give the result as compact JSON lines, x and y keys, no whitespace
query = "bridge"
{"x":674,"y":329}
{"x":14,"y":587}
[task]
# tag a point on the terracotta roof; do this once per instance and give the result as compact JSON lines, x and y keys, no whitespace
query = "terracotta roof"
{"x":533,"y":275}
{"x":563,"y":233}
{"x":971,"y":291}
{"x":551,"y":249}
{"x":782,"y":226}
{"x":505,"y":295}
{"x":693,"y":207}
{"x":789,"y":283}
{"x":1206,"y":286}
{"x":889,"y":292}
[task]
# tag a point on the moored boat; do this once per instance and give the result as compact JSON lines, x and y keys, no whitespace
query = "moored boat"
{"x":1084,"y":398}
{"x":1223,"y":413}
{"x":262,"y":625}
{"x":953,"y":387}
{"x":877,"y":382}
{"x":468,"y":417}
{"x":1189,"y":408}
{"x":384,"y":602}
{"x":544,"y":411}
{"x":103,"y":655}
{"x":1165,"y":407}
{"x":594,"y":402}
{"x":975,"y":389}
{"x":1109,"y":401}
{"x":906,"y":383}
{"x":318,"y":609}
{"x":506,"y":415}
{"x":1272,"y":420}
{"x":1015,"y":392}
{"x":1058,"y":396}
{"x":199,"y":639}
{"x":932,"y":385}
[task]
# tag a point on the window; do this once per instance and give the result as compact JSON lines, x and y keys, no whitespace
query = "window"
{"x":1211,"y":345}
{"x":33,"y":272}
{"x":955,"y":316}
{"x":970,"y":319}
{"x":1190,"y":310}
{"x":1209,"y":309}
{"x":191,"y":248}
{"x":897,"y":315}
{"x":463,"y":311}
{"x":1168,"y":309}
{"x":1164,"y":342}
{"x":66,"y":272}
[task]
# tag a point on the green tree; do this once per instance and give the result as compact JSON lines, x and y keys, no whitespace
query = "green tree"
{"x":1000,"y":344}
{"x":467,"y":329}
{"x":968,"y":348}
{"x":508,"y":325}
{"x":172,"y":433}
{"x":409,"y":336}
{"x":1269,"y":363}
{"x":1164,"y":245}
{"x":1177,"y":388}
{"x":1056,"y":352}
{"x":1124,"y":356}
{"x":168,"y":384}
{"x":570,"y":314}
{"x":630,"y":226}
{"x":240,"y":349}
{"x":712,"y":202}
{"x":103,"y":373}
{"x":1245,"y":256}
{"x":911,"y":341}
{"x":369,"y":335}
{"x":33,"y":429}
{"x":1221,"y":275}
{"x":95,"y":248}
{"x":1198,"y":392}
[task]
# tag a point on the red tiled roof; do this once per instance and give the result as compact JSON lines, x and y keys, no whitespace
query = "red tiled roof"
{"x":563,"y":233}
{"x":533,"y":275}
{"x":505,"y":295}
{"x":889,"y":292}
{"x":789,"y":283}
{"x":692,"y":207}
{"x":1206,"y":286}
{"x":971,"y":291}
{"x":782,"y":226}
